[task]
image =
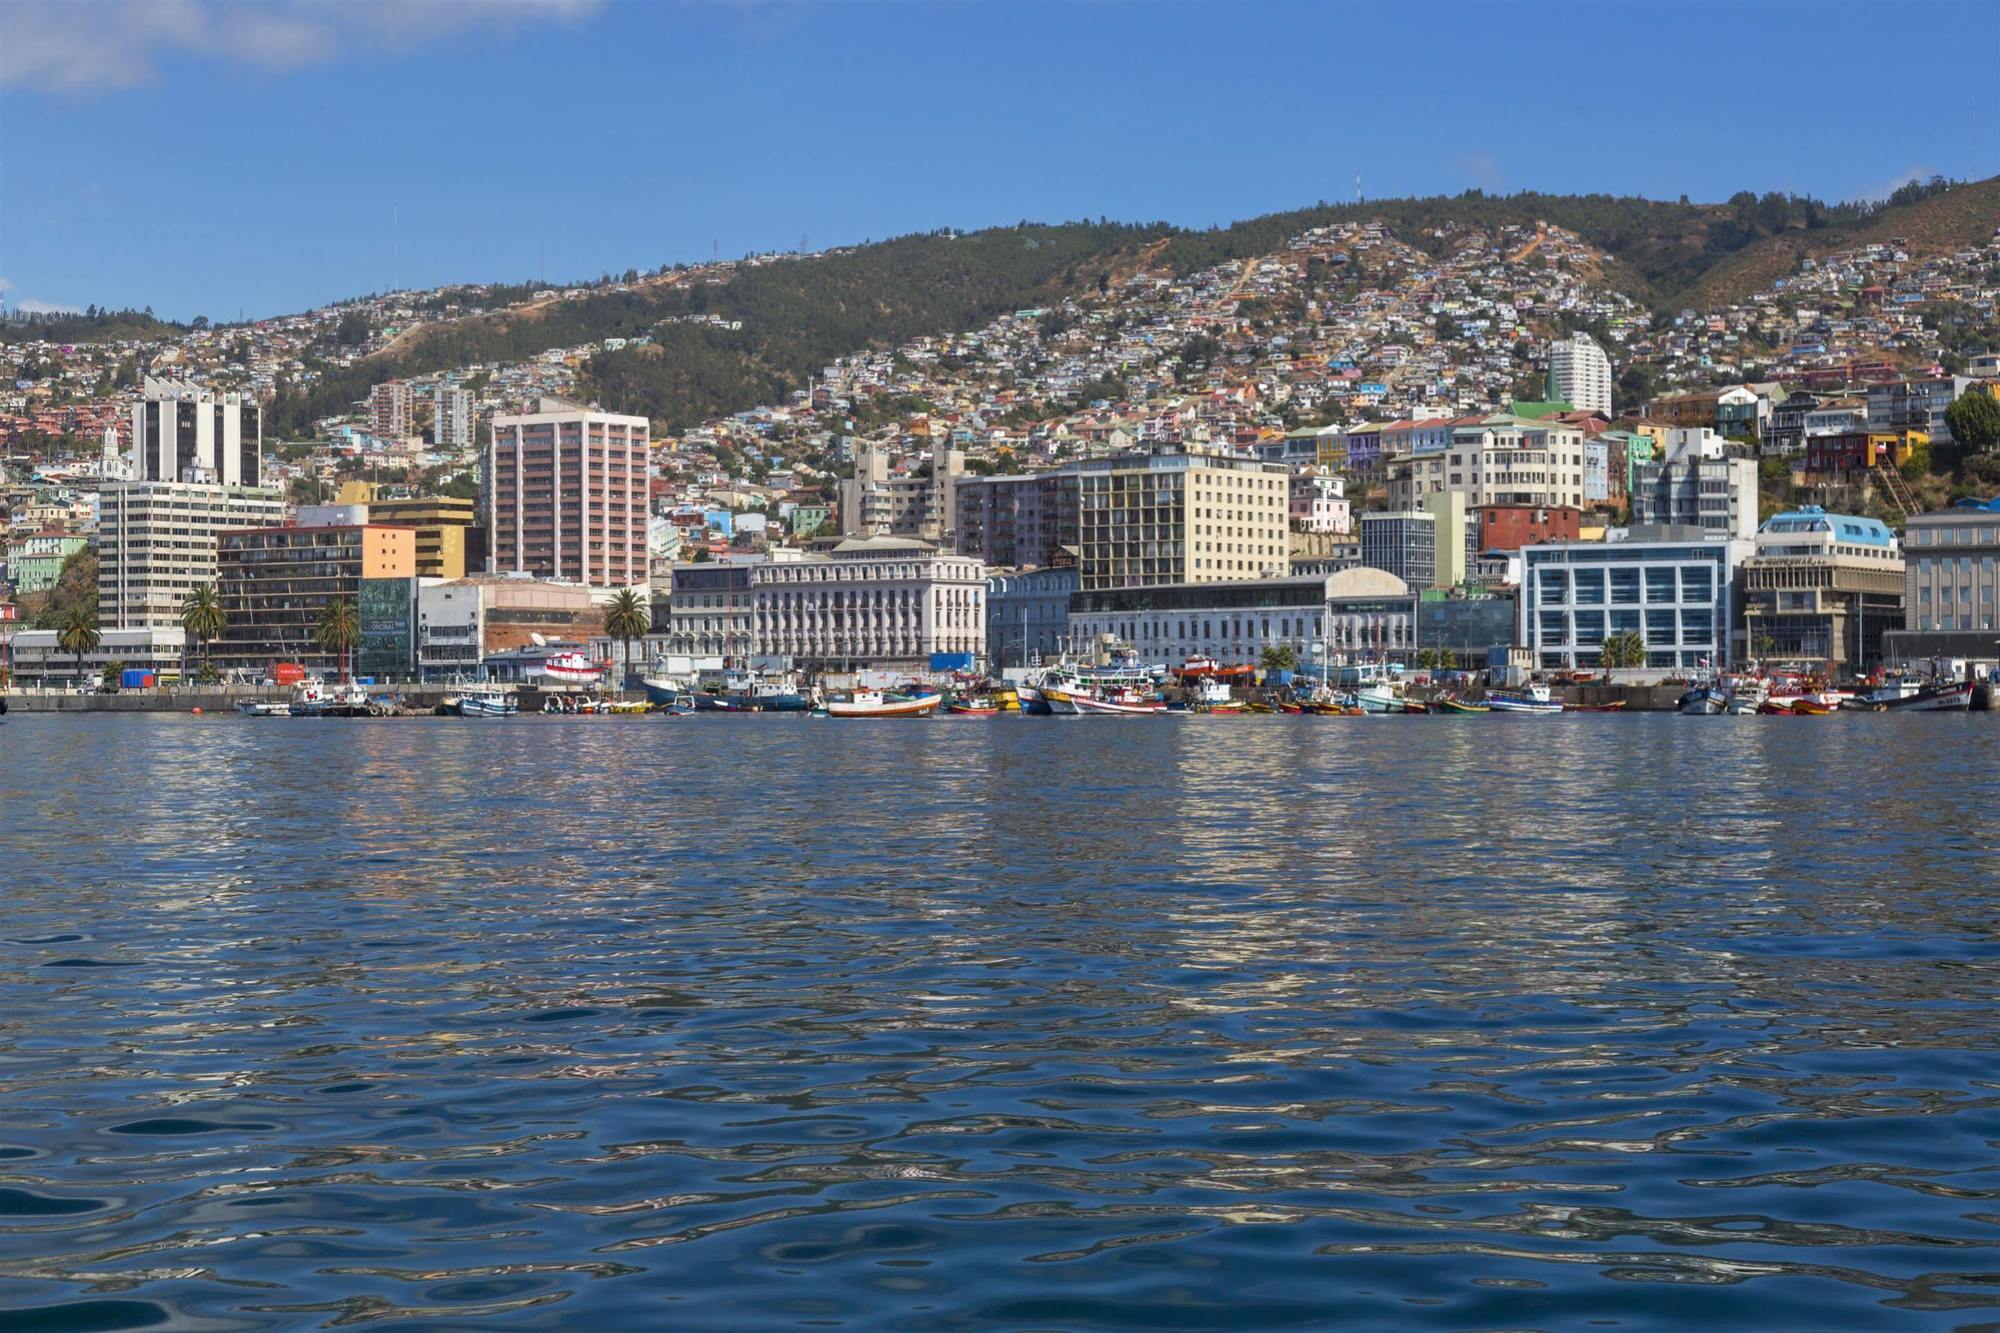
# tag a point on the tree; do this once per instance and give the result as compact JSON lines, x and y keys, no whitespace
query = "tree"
{"x":628,"y":619}
{"x":1280,"y":657}
{"x":1974,"y":419}
{"x":1763,"y":646}
{"x":78,"y":635}
{"x":339,"y":629}
{"x":1623,"y":649}
{"x":202,"y":616}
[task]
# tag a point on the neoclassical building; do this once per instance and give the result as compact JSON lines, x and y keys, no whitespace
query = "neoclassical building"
{"x":873,"y":601}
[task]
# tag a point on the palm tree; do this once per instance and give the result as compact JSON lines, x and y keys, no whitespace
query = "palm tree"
{"x":1623,"y":649}
{"x":338,"y":631}
{"x":628,"y":619}
{"x":1280,"y":657}
{"x":79,"y":635}
{"x":203,"y":617}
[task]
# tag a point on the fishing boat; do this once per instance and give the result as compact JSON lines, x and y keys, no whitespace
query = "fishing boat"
{"x":663,"y":690}
{"x":974,"y":707}
{"x":1534,"y":699}
{"x":491,"y":702}
{"x":570,"y":668}
{"x":315,"y":698}
{"x":264,"y":708}
{"x":1944,"y":696}
{"x":1615,"y":706}
{"x":1108,"y":703}
{"x":1451,"y":704}
{"x":1704,"y":699}
{"x":1379,"y":697}
{"x":874,"y":703}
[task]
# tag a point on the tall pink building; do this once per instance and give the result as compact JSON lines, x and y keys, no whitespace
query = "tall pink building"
{"x":566,"y":493}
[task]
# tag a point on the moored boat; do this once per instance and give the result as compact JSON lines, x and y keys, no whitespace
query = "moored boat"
{"x":264,"y":708}
{"x":1451,"y":704}
{"x":874,"y":703}
{"x":488,"y":703}
{"x":1534,"y":699}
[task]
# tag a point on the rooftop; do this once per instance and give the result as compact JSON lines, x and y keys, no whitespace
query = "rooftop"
{"x":1845,"y":527}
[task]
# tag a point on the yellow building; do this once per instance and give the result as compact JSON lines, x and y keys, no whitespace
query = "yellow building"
{"x":1149,"y":519}
{"x":442,"y":524}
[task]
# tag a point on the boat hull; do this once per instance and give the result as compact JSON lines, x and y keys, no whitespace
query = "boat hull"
{"x":919,"y":707}
{"x":1951,"y":698}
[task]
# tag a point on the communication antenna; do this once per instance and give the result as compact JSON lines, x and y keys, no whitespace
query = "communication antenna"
{"x":1357,"y":187}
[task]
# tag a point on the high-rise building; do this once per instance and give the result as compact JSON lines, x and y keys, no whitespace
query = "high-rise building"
{"x":1403,"y":543}
{"x":184,"y":432}
{"x":156,"y":543}
{"x":1580,"y":372}
{"x":566,"y":493}
{"x":1158,"y":518}
{"x":919,"y":505}
{"x":276,"y":582}
{"x":1019,"y":519}
{"x":451,"y":418}
{"x":391,"y":410}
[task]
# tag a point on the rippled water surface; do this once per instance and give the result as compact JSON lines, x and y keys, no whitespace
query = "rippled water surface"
{"x":717,"y":1023}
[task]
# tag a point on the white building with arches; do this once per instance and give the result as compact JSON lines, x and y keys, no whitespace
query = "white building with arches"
{"x":872,"y":601}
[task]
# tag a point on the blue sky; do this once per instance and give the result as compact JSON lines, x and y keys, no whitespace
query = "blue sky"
{"x":261,"y":156}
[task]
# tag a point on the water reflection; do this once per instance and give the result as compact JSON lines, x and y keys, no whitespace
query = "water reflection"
{"x":716,"y":1022}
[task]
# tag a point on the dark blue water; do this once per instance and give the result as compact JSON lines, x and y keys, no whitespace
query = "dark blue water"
{"x":720,"y":1023}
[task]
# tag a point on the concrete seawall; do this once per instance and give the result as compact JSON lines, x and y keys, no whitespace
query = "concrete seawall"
{"x":418,"y":698}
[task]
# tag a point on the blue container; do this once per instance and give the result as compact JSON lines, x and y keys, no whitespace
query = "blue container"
{"x":137,"y":680}
{"x":951,"y":661}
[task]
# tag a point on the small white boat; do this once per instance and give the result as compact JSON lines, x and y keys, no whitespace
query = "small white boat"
{"x":264,"y":708}
{"x":873,"y":703}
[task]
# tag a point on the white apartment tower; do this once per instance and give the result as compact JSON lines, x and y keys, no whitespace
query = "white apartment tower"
{"x":184,"y":432}
{"x":1580,"y":372}
{"x":156,"y":542}
{"x":451,"y":418}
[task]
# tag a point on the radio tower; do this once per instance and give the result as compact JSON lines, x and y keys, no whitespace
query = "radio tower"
{"x":1357,"y":187}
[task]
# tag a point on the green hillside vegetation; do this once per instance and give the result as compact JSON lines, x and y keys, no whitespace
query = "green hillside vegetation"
{"x":797,"y":315}
{"x":1666,"y":248}
{"x":88,"y":326}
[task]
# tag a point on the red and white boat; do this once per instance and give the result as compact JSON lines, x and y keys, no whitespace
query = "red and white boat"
{"x":570,"y":668}
{"x":1111,"y":703}
{"x":873,"y":703}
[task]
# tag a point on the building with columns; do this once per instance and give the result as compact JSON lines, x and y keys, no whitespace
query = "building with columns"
{"x":871,"y":601}
{"x":184,"y":432}
{"x":566,"y":493}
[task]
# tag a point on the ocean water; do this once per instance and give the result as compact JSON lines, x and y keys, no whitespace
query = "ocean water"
{"x":724,"y":1023}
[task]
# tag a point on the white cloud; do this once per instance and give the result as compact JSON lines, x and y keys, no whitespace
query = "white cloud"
{"x":33,"y":307}
{"x":1877,"y":193}
{"x":87,"y":46}
{"x":1482,"y":170}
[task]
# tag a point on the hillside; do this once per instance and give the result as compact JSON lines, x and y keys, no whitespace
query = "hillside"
{"x":796,"y":314}
{"x":1935,"y":224}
